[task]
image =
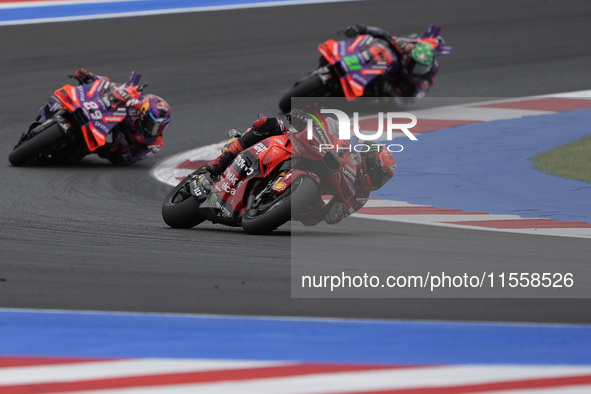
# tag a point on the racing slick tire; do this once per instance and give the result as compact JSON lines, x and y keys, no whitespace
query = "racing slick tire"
{"x":30,"y":149}
{"x":311,"y":86}
{"x":181,"y":209}
{"x":264,"y":219}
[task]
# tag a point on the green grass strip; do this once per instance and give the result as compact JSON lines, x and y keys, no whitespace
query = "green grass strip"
{"x":572,"y":161}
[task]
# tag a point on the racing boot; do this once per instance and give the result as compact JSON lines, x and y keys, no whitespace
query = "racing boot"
{"x":216,"y":166}
{"x":261,"y":129}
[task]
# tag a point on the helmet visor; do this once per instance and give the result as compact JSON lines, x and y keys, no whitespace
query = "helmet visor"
{"x":420,"y":69}
{"x":154,"y":126}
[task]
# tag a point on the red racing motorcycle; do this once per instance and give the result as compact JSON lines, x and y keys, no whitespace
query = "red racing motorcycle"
{"x":268,"y":184}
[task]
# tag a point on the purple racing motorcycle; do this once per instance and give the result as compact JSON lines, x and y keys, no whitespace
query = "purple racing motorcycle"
{"x":356,"y":67}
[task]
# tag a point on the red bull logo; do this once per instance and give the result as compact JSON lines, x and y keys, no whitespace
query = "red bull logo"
{"x":162,"y":106}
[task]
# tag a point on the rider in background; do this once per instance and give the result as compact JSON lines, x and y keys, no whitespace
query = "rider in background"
{"x":374,"y":168}
{"x":417,"y":58}
{"x":140,"y":134}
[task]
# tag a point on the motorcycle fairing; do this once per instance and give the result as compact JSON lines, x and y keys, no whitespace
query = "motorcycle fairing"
{"x":271,"y":153}
{"x":101,"y":105}
{"x":69,"y":97}
{"x":357,"y":61}
{"x":228,"y":200}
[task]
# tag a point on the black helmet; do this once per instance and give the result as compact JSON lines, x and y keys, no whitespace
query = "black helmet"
{"x":378,"y":166}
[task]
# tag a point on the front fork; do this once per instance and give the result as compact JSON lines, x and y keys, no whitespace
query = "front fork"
{"x":324,"y":73}
{"x":38,"y":127}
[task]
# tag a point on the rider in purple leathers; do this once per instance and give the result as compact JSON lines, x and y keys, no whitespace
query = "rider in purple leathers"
{"x":417,"y":58}
{"x":375,"y":168}
{"x":140,"y":134}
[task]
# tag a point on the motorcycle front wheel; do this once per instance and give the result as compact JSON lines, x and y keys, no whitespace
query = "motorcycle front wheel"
{"x":180,"y":208}
{"x":276,"y":210}
{"x":30,"y":149}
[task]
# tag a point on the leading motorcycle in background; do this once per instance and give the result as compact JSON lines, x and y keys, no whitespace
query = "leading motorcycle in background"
{"x":356,"y":67}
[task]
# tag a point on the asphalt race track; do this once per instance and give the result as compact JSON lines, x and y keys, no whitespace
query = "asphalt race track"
{"x":90,"y":236}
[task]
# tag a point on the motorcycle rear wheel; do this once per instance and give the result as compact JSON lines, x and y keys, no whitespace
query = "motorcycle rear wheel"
{"x":30,"y":149}
{"x":264,"y":219}
{"x":311,"y":86}
{"x":181,"y":209}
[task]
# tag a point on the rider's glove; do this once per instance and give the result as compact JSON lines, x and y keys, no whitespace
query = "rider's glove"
{"x":120,"y":144}
{"x":354,"y":30}
{"x":268,"y":126}
{"x":84,"y":76}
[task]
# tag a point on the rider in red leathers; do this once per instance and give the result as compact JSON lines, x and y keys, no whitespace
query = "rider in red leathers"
{"x":373,"y":168}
